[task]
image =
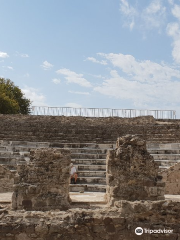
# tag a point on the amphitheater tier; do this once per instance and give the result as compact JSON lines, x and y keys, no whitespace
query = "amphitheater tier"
{"x":62,"y":129}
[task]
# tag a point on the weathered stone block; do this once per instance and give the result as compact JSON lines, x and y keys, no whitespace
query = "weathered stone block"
{"x":171,"y":178}
{"x":131,"y":172}
{"x":43,"y":184}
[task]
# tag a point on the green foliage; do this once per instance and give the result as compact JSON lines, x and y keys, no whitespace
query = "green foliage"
{"x":12,"y":100}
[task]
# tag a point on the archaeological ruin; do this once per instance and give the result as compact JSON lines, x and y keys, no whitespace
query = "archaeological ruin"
{"x":132,"y":173}
{"x":128,"y":178}
{"x":43,"y":183}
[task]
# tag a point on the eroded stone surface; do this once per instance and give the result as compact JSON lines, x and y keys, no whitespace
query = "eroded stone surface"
{"x":115,"y":223}
{"x":6,"y":180}
{"x":86,"y":129}
{"x":171,"y":177}
{"x":131,"y":172}
{"x":43,"y":183}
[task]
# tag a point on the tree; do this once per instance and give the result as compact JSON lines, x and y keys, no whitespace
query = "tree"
{"x":12,"y":100}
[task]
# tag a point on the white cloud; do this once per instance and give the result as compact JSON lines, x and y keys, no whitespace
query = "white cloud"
{"x":142,"y":70}
{"x":173,"y":30}
{"x":27,"y":75}
{"x":96,"y":61}
{"x":24,"y":55}
{"x":56,"y":81}
{"x":176,"y":11}
{"x":81,"y":93}
{"x":8,"y":67}
{"x":145,"y":83}
{"x":129,"y":12}
{"x":3,"y":55}
{"x":171,"y":2}
{"x":73,"y":105}
{"x":152,"y":16}
{"x":155,"y":14}
{"x":11,"y":68}
{"x":46,"y":65}
{"x":37,"y":98}
{"x":73,"y":77}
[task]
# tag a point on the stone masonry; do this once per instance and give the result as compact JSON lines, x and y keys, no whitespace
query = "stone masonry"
{"x":114,"y":223}
{"x":6,"y":180}
{"x":131,"y":172}
{"x":43,"y":184}
{"x":59,"y":129}
{"x":171,"y":177}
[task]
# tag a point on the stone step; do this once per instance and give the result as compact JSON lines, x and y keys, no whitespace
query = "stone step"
{"x":15,"y":157}
{"x":87,"y":156}
{"x":91,"y":173}
{"x":88,"y":161}
{"x":167,"y":146}
{"x":167,"y":163}
{"x":58,"y":144}
{"x":89,"y":150}
{"x":83,"y":145}
{"x":166,"y":156}
{"x":91,"y":180}
{"x":164,"y":151}
{"x":96,"y":168}
{"x":14,"y":154}
{"x":87,"y":188}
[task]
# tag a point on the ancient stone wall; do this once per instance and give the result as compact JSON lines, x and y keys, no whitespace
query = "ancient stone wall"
{"x":85,"y":129}
{"x":6,"y":180}
{"x":43,"y":184}
{"x":171,"y":177}
{"x":117,"y":223}
{"x":131,"y":172}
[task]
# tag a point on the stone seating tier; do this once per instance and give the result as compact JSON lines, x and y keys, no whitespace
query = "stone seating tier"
{"x":86,"y":130}
{"x":89,"y":158}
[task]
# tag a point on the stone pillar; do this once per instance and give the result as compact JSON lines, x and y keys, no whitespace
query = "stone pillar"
{"x":131,"y":172}
{"x":43,"y":184}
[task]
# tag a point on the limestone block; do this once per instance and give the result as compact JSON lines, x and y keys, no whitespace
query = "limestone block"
{"x":131,"y":172}
{"x":43,"y":183}
{"x":171,"y":177}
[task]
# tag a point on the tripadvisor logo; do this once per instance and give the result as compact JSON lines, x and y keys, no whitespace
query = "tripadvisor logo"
{"x":138,"y":231}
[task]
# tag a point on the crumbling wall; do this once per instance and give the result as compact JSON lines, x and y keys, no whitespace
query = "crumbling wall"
{"x":116,"y":223}
{"x":6,"y":180}
{"x":171,"y":177}
{"x":43,"y":184}
{"x":131,"y":172}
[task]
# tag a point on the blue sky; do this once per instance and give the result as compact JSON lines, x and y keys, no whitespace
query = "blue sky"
{"x":98,"y":53}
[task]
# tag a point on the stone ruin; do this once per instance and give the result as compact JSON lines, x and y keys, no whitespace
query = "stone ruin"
{"x":134,"y":197}
{"x":6,"y":180}
{"x":132,"y":173}
{"x":43,"y":184}
{"x":171,"y":178}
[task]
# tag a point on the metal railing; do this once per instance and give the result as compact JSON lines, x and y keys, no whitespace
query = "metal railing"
{"x":101,"y":112}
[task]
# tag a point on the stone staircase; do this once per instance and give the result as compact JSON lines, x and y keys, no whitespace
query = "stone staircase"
{"x":165,"y":155}
{"x":90,"y":162}
{"x":88,"y":158}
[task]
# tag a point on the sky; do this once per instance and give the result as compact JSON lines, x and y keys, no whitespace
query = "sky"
{"x":120,"y":54}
